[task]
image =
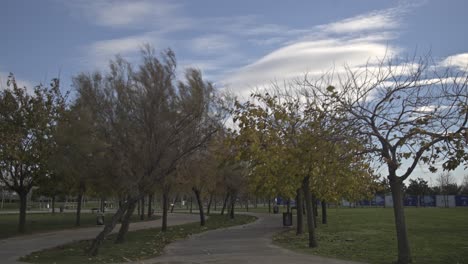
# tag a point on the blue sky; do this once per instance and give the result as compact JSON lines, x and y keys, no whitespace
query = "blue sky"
{"x":237,"y":44}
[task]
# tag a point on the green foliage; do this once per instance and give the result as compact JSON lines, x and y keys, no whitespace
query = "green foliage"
{"x":285,"y":140}
{"x":418,"y":187}
{"x":27,"y":124}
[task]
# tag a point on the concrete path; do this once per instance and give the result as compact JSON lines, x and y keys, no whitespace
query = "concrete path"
{"x":13,"y":248}
{"x":242,"y":244}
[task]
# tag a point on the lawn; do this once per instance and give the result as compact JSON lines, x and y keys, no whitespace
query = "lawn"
{"x":436,"y":235}
{"x":41,"y":222}
{"x":140,"y":244}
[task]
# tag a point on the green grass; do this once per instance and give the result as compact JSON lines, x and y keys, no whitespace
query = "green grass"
{"x":39,"y":222}
{"x":436,"y":235}
{"x":139,"y":245}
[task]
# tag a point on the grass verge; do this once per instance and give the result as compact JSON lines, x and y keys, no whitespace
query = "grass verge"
{"x":36,"y":223}
{"x":436,"y":235}
{"x":142,"y":244}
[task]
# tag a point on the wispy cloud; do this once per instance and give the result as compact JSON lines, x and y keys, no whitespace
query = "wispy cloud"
{"x":374,"y":21}
{"x":312,"y":57}
{"x":352,"y":42}
{"x":103,"y":50}
{"x":458,"y":60}
{"x":212,"y":43}
{"x":220,"y":46}
{"x":131,"y":13}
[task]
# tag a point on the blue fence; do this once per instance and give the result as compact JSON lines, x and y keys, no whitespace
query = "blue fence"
{"x":412,"y":200}
{"x":427,"y":200}
{"x":461,"y":200}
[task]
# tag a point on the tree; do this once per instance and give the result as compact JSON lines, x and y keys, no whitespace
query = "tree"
{"x":200,"y":173}
{"x":292,"y":147}
{"x":418,"y":187}
{"x":447,"y":184}
{"x":464,"y":185}
{"x":53,"y":185}
{"x":150,"y":123}
{"x":27,"y":138}
{"x":80,"y":152}
{"x":410,"y":113}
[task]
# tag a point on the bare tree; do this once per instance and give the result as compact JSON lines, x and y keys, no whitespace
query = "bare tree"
{"x":464,"y":185}
{"x":409,"y":113}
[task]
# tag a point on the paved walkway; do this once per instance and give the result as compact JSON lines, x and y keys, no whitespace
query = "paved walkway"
{"x":13,"y":248}
{"x":242,"y":244}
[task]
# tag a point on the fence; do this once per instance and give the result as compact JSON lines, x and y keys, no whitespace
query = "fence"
{"x":411,"y":200}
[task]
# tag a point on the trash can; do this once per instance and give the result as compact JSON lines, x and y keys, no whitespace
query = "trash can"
{"x":61,"y":208}
{"x":100,"y":219}
{"x":275,"y":209}
{"x":287,"y":219}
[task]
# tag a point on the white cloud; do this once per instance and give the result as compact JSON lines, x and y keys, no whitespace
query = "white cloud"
{"x":268,"y":41}
{"x":266,"y":29}
{"x":131,"y":13}
{"x":124,"y":13}
{"x":354,"y":42}
{"x":212,"y":43}
{"x":458,"y":60}
{"x":100,"y":52}
{"x":219,"y":49}
{"x":311,"y":57}
{"x":430,"y":108}
{"x":119,"y":46}
{"x":373,"y":21}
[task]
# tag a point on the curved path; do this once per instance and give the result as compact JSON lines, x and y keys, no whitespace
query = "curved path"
{"x":250,"y":243}
{"x":13,"y":248}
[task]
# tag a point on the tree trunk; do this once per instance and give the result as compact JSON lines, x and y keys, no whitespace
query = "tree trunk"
{"x":139,"y":207}
{"x":233,"y":204}
{"x":310,"y":213}
{"x":269,"y":205}
{"x":215,"y":203}
{"x":78,"y":208}
{"x":209,"y":204}
{"x":324,"y":212}
{"x":225,"y":203}
{"x":53,"y":204}
{"x":300,"y":225}
{"x":304,"y":211}
{"x":165,"y":201}
{"x":142,"y":215}
{"x":101,"y":206}
{"x":94,"y":248}
{"x":22,"y":215}
{"x":247,"y":205}
{"x":314,"y":207}
{"x":191,"y":204}
{"x":404,"y":254}
{"x":200,"y":205}
{"x":150,"y":205}
{"x":125,"y":223}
